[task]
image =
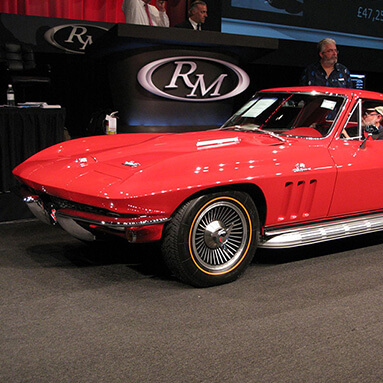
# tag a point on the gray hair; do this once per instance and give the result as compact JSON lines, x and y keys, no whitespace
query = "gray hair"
{"x":194,"y":5}
{"x":325,"y":42}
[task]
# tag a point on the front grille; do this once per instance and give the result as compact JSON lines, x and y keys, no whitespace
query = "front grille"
{"x":52,"y":202}
{"x":60,"y":203}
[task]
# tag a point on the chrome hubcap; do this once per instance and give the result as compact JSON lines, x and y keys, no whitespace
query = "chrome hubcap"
{"x":216,"y":234}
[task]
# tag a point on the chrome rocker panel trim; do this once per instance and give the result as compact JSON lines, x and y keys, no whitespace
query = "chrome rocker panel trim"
{"x":307,"y":235}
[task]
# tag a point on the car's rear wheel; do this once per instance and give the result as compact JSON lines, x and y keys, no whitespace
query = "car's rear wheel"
{"x":212,"y":239}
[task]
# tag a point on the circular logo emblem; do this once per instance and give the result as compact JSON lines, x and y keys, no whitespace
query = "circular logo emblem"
{"x":193,"y":78}
{"x":73,"y":38}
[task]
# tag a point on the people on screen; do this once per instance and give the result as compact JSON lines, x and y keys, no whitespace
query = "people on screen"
{"x":327,"y":71}
{"x":143,"y":13}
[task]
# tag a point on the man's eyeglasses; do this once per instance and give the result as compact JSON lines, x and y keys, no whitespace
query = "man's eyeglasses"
{"x":331,"y":51}
{"x":370,"y":113}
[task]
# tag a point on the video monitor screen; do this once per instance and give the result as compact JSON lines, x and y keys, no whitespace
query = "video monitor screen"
{"x":358,"y":81}
{"x":352,"y":23}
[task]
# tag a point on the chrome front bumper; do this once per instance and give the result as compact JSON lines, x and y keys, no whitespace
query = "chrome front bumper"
{"x":51,"y":217}
{"x":76,"y":224}
{"x":35,"y":205}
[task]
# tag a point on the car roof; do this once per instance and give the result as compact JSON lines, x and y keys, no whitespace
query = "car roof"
{"x":333,"y":91}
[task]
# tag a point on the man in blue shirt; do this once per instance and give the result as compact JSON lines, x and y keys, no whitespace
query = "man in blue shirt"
{"x":327,"y":72}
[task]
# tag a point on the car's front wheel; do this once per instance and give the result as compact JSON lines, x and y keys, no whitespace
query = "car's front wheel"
{"x":212,"y":239}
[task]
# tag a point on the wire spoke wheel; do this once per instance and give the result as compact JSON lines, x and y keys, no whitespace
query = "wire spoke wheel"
{"x":219,"y":236}
{"x":212,"y":239}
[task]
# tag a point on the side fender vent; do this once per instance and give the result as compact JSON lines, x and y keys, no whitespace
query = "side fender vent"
{"x":297,"y":200}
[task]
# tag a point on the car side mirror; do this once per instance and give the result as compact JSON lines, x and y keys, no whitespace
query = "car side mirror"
{"x":370,"y":129}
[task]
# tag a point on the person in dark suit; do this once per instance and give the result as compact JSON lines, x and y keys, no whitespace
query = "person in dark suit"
{"x":197,"y":16}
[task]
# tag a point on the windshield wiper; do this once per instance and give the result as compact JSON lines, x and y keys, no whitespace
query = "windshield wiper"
{"x":252,"y":128}
{"x":270,"y":134}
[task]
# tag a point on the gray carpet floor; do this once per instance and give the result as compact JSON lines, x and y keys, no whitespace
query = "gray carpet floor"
{"x":109,"y":313}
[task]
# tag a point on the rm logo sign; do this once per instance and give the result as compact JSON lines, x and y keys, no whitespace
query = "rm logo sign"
{"x":73,"y":38}
{"x":193,"y":78}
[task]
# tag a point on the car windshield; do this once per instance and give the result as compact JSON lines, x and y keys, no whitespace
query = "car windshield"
{"x":298,"y":114}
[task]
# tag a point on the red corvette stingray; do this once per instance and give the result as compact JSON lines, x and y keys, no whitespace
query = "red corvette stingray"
{"x":294,"y":166}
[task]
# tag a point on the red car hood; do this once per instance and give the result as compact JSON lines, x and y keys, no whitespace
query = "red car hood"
{"x":91,"y":165}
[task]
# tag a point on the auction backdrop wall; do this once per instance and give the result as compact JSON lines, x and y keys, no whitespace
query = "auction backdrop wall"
{"x":70,"y":72}
{"x":96,"y":10}
{"x":93,"y":10}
